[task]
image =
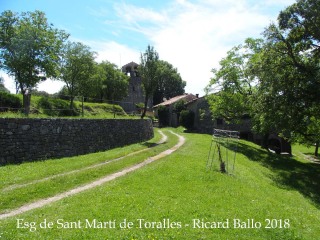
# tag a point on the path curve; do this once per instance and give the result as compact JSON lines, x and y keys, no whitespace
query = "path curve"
{"x":43,"y":202}
{"x":15,"y":186}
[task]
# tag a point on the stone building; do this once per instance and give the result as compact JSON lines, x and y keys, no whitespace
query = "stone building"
{"x":169,"y":104}
{"x":135,"y":91}
{"x":205,"y":123}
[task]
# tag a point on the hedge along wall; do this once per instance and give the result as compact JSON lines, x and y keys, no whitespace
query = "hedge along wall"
{"x":26,"y":139}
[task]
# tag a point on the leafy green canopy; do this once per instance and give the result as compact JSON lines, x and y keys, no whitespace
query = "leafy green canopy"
{"x":170,"y":83}
{"x":276,"y":80}
{"x":29,"y":47}
{"x":112,"y":82}
{"x":76,"y":66}
{"x":288,"y":98}
{"x":148,"y":70}
{"x":234,"y":82}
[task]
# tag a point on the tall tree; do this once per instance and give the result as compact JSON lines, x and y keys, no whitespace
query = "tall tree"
{"x":76,"y":68}
{"x":285,"y":70}
{"x":170,"y":83}
{"x":113,"y":82}
{"x":29,"y":49}
{"x":288,"y":96}
{"x":148,"y":70}
{"x":235,"y":82}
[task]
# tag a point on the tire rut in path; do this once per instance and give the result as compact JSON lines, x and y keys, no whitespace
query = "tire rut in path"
{"x":110,"y":177}
{"x":15,"y":186}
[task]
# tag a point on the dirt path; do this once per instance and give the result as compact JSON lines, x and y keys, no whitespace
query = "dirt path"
{"x":15,"y":186}
{"x":310,"y":158}
{"x":43,"y":202}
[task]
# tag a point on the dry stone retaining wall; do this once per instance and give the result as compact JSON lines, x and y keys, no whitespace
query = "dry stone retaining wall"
{"x":26,"y":139}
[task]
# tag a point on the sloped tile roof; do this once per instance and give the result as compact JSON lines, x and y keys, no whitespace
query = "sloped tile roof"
{"x":187,"y":97}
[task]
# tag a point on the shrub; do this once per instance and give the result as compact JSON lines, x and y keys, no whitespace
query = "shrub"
{"x":186,"y":119}
{"x":9,"y":101}
{"x":140,"y":107}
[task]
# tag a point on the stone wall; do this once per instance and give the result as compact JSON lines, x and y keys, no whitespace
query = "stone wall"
{"x":203,"y":122}
{"x":26,"y":139}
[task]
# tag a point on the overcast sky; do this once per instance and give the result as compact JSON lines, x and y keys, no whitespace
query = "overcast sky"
{"x":192,"y":35}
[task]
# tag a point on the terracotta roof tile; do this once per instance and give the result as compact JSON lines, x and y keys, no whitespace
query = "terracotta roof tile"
{"x":187,"y":97}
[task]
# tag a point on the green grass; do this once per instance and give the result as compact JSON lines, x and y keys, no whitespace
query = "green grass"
{"x":305,"y":152}
{"x":91,"y":110}
{"x":29,"y":172}
{"x":180,"y":188}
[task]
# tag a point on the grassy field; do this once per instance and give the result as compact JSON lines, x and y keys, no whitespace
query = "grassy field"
{"x":268,"y":197}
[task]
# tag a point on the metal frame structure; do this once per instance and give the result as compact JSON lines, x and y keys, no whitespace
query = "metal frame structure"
{"x":223,"y":150}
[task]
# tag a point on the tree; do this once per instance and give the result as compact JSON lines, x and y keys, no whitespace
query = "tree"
{"x":29,"y":49}
{"x":276,"y":80}
{"x":170,"y":83}
{"x":178,"y":107}
{"x":235,"y":82}
{"x":113,"y":82}
{"x":288,"y":96}
{"x":76,"y":68}
{"x":148,"y":70}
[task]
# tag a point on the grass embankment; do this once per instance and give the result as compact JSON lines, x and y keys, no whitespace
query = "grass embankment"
{"x":46,"y":107}
{"x":180,"y":195}
{"x":67,"y":173}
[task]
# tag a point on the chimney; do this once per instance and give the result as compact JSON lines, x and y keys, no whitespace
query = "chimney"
{"x":197,"y":95}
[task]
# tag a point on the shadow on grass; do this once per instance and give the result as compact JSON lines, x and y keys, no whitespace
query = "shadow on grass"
{"x":289,"y":172}
{"x":149,"y":145}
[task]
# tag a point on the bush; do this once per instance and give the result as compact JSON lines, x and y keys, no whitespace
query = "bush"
{"x":140,"y":107}
{"x":186,"y":119}
{"x":163,"y":114}
{"x":56,"y":107}
{"x":9,"y":101}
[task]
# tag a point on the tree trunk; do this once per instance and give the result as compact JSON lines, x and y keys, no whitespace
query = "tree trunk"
{"x":26,"y":102}
{"x":71,"y":102}
{"x":316,"y":151}
{"x":145,"y":107}
{"x":265,"y":141}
